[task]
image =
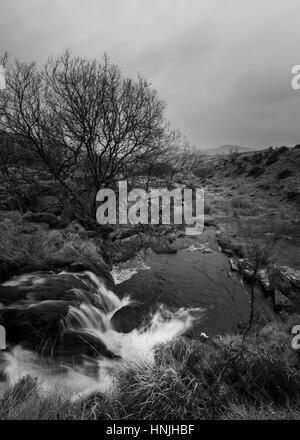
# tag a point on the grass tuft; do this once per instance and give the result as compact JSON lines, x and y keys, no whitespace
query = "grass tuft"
{"x":223,"y":378}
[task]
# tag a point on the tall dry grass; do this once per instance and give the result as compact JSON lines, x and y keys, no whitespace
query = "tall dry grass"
{"x":219,"y":379}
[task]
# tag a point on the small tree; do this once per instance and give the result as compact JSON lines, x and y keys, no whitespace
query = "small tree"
{"x":180,"y":157}
{"x":88,"y":124}
{"x":257,"y":257}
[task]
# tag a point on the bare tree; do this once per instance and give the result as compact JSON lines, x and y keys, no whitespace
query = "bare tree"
{"x":180,"y":157}
{"x":89,"y":125}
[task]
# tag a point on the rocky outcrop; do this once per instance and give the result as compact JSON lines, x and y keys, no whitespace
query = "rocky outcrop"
{"x":78,"y":344}
{"x":282,"y":282}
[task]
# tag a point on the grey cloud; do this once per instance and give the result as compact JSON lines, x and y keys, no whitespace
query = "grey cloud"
{"x":223,"y":66}
{"x":263,"y":88}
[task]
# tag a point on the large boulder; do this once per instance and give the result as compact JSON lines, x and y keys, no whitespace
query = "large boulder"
{"x":128,"y":318}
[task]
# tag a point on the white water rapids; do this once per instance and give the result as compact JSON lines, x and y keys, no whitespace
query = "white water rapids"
{"x":96,"y":375}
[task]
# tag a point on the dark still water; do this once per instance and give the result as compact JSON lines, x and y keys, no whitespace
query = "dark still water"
{"x":194,"y":279}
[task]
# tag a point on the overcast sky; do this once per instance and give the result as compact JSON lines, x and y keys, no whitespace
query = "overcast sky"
{"x":222,"y":66}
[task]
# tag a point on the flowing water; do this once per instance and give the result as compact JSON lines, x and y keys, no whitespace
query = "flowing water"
{"x":192,"y":278}
{"x":77,"y":379}
{"x":190,"y":292}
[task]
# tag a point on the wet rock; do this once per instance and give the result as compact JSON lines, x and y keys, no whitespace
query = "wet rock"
{"x":164,"y":250}
{"x":47,"y":286}
{"x":40,"y":328}
{"x":48,"y":311}
{"x":128,"y":318}
{"x":10,"y":294}
{"x":31,"y":327}
{"x":69,"y":259}
{"x":77,"y":343}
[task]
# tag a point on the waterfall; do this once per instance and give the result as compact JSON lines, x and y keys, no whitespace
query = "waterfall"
{"x":92,"y":319}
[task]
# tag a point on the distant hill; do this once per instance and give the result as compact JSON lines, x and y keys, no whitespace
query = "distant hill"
{"x":225,"y":149}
